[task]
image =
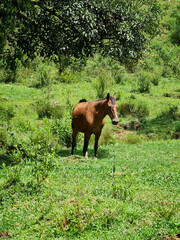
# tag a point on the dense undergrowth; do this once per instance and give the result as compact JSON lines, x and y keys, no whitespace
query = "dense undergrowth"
{"x":131,"y":191}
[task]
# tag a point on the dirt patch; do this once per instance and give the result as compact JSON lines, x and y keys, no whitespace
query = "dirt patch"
{"x":74,"y":159}
{"x":124,"y":133}
{"x":121,"y":132}
{"x":5,"y":235}
{"x":172,"y":95}
{"x":132,"y":125}
{"x":177,"y":237}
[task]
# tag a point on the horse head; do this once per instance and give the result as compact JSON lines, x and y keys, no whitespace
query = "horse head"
{"x":112,"y":109}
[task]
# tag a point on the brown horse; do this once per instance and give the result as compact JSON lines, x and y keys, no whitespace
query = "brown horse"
{"x":88,"y":117}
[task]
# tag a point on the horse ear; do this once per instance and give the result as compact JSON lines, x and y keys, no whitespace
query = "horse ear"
{"x":114,"y":96}
{"x":108,"y":97}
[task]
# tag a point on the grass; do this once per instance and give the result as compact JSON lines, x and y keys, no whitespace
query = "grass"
{"x":130,"y":192}
{"x":76,"y":199}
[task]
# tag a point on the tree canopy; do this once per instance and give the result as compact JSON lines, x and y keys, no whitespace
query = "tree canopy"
{"x":117,"y":28}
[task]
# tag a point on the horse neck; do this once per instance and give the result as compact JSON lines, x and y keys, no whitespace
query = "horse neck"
{"x":101,"y":109}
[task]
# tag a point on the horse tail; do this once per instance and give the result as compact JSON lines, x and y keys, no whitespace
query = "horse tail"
{"x":83,"y":100}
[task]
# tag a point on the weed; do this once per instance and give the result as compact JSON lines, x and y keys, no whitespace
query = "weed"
{"x":144,"y":80}
{"x":132,"y":139}
{"x":122,"y":186}
{"x":42,"y":164}
{"x":68,"y":76}
{"x":48,"y":109}
{"x":171,"y":112}
{"x":62,"y":128}
{"x":43,"y":76}
{"x":6,"y":113}
{"x":107,"y":137}
{"x":118,"y":95}
{"x":119,"y":74}
{"x":155,"y":78}
{"x":12,"y":175}
{"x":102,"y":83}
{"x":137,"y":109}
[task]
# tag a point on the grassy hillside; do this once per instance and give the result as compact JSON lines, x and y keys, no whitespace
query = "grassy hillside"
{"x":132,"y":190}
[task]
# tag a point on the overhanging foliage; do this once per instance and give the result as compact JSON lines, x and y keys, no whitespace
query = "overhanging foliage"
{"x":118,"y":28}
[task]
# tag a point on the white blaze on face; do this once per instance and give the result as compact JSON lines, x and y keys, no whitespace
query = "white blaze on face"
{"x":116,"y":117}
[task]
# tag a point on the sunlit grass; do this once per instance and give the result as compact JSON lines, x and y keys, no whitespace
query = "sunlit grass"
{"x":76,"y":199}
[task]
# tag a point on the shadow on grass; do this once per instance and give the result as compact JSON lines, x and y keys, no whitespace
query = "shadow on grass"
{"x":6,"y":159}
{"x":102,"y":152}
{"x":167,"y":125}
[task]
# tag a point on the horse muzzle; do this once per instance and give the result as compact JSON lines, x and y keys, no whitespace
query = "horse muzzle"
{"x":115,"y":121}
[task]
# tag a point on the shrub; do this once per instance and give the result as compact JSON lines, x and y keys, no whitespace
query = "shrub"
{"x":118,"y":73}
{"x":49,"y":109}
{"x":97,"y":62}
{"x":132,"y":139}
{"x":3,"y":138}
{"x":12,"y":176}
{"x":106,"y":137}
{"x":62,"y":128}
{"x":43,"y":76}
{"x":144,"y":79}
{"x":171,"y":112}
{"x":118,"y":95}
{"x":168,"y":62}
{"x":6,"y":113}
{"x":135,"y":109}
{"x":175,"y":29}
{"x":102,"y":83}
{"x":68,"y":76}
{"x":156,"y":76}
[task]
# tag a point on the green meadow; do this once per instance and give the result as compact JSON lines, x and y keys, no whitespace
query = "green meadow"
{"x":132,"y":190}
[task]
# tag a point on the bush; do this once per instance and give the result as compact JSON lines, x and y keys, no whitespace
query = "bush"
{"x":175,"y":29}
{"x":118,"y":95}
{"x":132,"y":139}
{"x":106,"y":137}
{"x":171,"y":112}
{"x":62,"y":129}
{"x":135,"y":109}
{"x":6,"y":113}
{"x":44,"y":74}
{"x":156,"y":76}
{"x":68,"y":76}
{"x":118,"y":73}
{"x":168,"y":62}
{"x":49,"y":109}
{"x":3,"y":138}
{"x":102,"y":83}
{"x":144,"y":80}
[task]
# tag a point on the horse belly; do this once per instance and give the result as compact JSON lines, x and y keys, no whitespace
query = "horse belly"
{"x":96,"y":128}
{"x":82,"y":125}
{"x":79,"y":123}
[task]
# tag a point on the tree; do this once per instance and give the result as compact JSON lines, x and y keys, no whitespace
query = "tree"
{"x":55,"y":28}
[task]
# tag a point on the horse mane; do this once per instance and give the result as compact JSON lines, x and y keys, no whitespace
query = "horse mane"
{"x":83,"y":100}
{"x":97,"y":100}
{"x":101,"y":99}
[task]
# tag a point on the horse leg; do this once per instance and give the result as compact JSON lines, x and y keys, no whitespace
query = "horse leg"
{"x":86,"y":142}
{"x":97,"y":135}
{"x":74,"y":135}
